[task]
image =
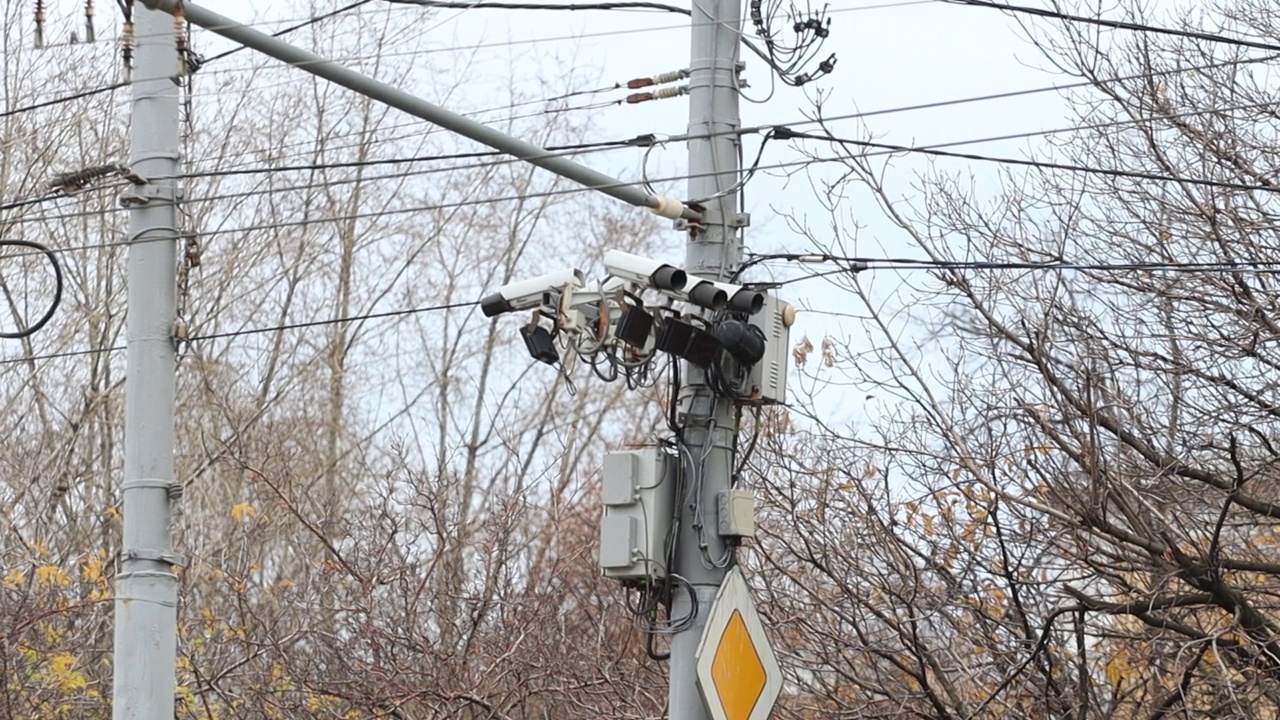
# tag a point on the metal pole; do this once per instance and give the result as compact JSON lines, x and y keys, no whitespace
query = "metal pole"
{"x":146,"y":600}
{"x":714,"y":250}
{"x":418,"y":107}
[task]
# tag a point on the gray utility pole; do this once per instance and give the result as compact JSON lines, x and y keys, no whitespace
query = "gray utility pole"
{"x":401,"y":100}
{"x":146,"y":601}
{"x":714,"y":250}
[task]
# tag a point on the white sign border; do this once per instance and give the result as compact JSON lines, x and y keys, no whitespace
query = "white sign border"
{"x":734,"y":594}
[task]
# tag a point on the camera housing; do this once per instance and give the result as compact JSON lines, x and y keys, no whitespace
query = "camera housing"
{"x":531,"y":293}
{"x":644,"y":271}
{"x":742,"y":299}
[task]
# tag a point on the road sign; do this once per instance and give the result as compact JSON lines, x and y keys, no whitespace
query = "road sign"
{"x":738,"y":675}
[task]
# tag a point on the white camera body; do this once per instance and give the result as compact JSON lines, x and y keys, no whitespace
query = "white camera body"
{"x":531,"y":293}
{"x":645,"y":272}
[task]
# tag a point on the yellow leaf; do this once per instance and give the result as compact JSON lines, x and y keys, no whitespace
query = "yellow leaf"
{"x":14,"y":578}
{"x":243,"y":511}
{"x":1118,"y":668}
{"x":91,"y":567}
{"x":51,"y":575}
{"x":62,"y":672}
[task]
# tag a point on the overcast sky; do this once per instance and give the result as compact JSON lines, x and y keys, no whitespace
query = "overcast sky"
{"x":891,"y":53}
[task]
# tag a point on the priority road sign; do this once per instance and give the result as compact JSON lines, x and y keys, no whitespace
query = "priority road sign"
{"x":738,"y":675}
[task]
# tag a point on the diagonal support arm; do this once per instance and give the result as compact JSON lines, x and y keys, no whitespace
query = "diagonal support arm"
{"x":401,"y":100}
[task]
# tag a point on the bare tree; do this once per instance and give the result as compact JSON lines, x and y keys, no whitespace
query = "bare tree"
{"x":1068,"y":510}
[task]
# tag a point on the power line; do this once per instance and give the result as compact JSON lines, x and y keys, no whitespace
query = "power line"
{"x":560,"y":38}
{"x":554,"y":149}
{"x":64,"y":99}
{"x":335,"y":321}
{"x":860,"y":264}
{"x":786,"y":134}
{"x":293,"y":28}
{"x":637,"y":142}
{"x":486,"y":5}
{"x":61,"y":355}
{"x":116,"y":86}
{"x":255,"y":331}
{"x":1119,"y":24}
{"x":587,"y":148}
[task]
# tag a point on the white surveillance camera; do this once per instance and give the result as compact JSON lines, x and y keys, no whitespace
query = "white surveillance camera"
{"x":742,"y":299}
{"x":704,"y":294}
{"x":645,"y":272}
{"x":528,"y":294}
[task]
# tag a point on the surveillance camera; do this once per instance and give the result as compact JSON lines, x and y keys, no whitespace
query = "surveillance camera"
{"x":742,"y":299}
{"x":704,"y":294}
{"x":528,"y":294}
{"x":643,"y":271}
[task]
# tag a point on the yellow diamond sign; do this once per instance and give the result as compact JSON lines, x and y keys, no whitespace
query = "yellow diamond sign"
{"x":737,"y":672}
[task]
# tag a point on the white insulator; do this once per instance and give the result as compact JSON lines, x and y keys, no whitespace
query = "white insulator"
{"x":668,"y":93}
{"x":668,"y":207}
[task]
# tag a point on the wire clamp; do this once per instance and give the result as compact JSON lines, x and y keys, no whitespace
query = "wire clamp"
{"x":145,"y":193}
{"x":164,"y":556}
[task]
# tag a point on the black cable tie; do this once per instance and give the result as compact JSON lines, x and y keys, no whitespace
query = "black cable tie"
{"x":782,"y":132}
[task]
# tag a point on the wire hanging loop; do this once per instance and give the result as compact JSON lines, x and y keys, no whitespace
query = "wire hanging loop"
{"x":57,"y":288}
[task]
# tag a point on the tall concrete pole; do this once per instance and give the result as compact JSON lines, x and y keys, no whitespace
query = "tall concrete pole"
{"x":714,"y":250}
{"x":146,"y":601}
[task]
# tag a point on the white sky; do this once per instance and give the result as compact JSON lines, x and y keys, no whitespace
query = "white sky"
{"x":891,"y":53}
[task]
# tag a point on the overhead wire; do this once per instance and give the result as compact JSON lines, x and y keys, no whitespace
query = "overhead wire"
{"x":636,"y":142}
{"x":555,"y":38}
{"x":257,"y":330}
{"x":350,"y":58}
{"x":494,"y":5}
{"x":786,"y":134}
{"x":116,"y":86}
{"x":857,"y":264}
{"x":1119,"y":24}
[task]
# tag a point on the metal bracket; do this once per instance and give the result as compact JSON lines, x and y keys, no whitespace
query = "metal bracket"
{"x":147,"y":483}
{"x":736,"y":220}
{"x":164,"y":556}
{"x":143,"y":194}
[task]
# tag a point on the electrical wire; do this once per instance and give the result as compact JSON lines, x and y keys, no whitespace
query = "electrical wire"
{"x":293,"y":28}
{"x":975,"y":99}
{"x":57,"y":288}
{"x":488,"y":5}
{"x":1118,"y":24}
{"x":333,"y":321}
{"x":641,"y":142}
{"x":1039,"y":164}
{"x":309,"y":167}
{"x":556,"y":38}
{"x":116,"y":86}
{"x":254,"y":331}
{"x":860,"y":264}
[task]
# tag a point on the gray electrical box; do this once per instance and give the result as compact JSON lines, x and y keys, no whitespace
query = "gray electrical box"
{"x":736,"y":513}
{"x":767,"y":382}
{"x":638,"y":491}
